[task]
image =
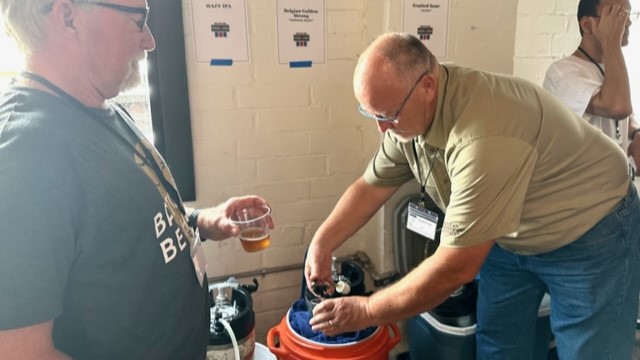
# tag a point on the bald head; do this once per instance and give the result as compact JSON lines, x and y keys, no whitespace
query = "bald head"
{"x":391,"y":60}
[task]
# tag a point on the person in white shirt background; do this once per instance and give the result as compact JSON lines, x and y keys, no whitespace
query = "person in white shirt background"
{"x":593,"y":81}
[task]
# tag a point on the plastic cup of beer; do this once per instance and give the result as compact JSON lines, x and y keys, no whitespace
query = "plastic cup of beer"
{"x":253,"y":222}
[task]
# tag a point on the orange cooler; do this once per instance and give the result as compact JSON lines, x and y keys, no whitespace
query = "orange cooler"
{"x":287,"y":344}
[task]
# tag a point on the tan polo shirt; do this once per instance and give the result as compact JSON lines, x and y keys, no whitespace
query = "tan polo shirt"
{"x":510,"y":163}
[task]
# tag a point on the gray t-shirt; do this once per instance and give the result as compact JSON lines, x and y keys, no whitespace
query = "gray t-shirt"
{"x":90,"y":238}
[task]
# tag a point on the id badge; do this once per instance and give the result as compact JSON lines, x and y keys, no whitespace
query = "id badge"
{"x":422,"y":221}
{"x":198,"y":258}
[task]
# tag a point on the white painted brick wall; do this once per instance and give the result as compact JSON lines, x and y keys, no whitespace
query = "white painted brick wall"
{"x":546,"y":30}
{"x":294,"y":135}
{"x":482,"y":34}
{"x":274,"y":96}
{"x":296,"y":121}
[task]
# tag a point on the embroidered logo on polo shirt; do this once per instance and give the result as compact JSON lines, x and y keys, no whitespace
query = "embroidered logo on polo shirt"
{"x":451,"y":229}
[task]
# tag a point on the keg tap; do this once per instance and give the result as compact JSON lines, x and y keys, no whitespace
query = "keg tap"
{"x":221,"y":295}
{"x":341,"y":282}
{"x":232,"y":320}
{"x":221,"y":298}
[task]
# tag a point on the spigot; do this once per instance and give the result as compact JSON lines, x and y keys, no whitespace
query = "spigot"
{"x":335,"y":272}
{"x":222,"y":293}
{"x":343,"y":287}
{"x":221,"y":297}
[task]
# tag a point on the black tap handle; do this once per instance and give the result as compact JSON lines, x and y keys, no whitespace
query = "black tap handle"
{"x":251,"y":288}
{"x":217,"y":324}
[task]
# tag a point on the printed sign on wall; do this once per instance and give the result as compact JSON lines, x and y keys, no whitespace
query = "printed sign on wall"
{"x":220,"y":31}
{"x":301,"y":32}
{"x":429,"y":22}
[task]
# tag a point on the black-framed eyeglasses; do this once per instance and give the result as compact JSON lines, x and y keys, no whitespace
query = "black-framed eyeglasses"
{"x":395,"y":116}
{"x":144,"y":11}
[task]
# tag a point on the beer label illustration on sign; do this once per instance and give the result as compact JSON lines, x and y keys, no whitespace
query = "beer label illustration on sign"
{"x":215,"y":43}
{"x":428,"y":20}
{"x":425,"y":32}
{"x":220,"y":29}
{"x":298,"y":22}
{"x":301,"y":39}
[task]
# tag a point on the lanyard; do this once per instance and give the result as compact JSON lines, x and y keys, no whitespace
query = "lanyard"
{"x":423,"y":185}
{"x":585,"y":53}
{"x":142,"y":152}
{"x":591,"y":59}
{"x":423,"y":192}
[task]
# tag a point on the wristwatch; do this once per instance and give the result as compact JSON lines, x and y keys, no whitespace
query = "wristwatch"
{"x":192,"y":219}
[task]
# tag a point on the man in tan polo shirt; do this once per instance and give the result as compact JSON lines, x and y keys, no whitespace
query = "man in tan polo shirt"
{"x":536,"y":200}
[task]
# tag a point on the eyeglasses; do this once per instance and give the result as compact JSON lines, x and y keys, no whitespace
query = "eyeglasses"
{"x":144,"y":11}
{"x":633,"y":15}
{"x":395,"y":116}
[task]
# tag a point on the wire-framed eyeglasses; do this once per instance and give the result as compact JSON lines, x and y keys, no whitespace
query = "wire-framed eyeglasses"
{"x":395,"y":116}
{"x":633,"y":15}
{"x":144,"y":11}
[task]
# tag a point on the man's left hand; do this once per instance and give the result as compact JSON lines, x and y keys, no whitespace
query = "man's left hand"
{"x":341,"y":315}
{"x":214,"y":223}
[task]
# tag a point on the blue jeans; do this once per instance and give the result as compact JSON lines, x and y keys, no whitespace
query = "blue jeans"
{"x":593,"y":283}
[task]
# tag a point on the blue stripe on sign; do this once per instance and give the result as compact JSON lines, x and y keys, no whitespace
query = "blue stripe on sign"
{"x":298,"y":64}
{"x":221,"y":62}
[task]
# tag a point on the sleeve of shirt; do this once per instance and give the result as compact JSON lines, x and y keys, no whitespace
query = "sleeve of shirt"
{"x":573,"y":84}
{"x":36,"y":235}
{"x":489,"y":182}
{"x":389,"y":166}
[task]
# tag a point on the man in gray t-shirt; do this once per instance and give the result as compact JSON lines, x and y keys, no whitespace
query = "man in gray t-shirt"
{"x":99,"y":257}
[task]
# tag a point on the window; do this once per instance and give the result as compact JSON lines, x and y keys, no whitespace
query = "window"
{"x":170,"y":94}
{"x":160,"y":105}
{"x":11,"y":61}
{"x":135,"y":100}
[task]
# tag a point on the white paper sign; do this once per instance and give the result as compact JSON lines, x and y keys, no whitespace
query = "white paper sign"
{"x":220,"y":31}
{"x":428,"y":21}
{"x":301,"y":32}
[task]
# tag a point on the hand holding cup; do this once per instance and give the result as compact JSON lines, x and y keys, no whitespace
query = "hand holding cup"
{"x":253,"y":222}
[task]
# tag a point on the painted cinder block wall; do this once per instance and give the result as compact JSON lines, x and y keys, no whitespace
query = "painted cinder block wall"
{"x":546,"y":31}
{"x":294,"y":135}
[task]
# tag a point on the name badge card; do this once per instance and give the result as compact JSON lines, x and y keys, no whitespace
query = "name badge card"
{"x":422,"y":221}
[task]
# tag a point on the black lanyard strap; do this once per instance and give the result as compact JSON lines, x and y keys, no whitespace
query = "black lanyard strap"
{"x":423,"y":185}
{"x":431,"y":161}
{"x":142,"y":151}
{"x":585,"y":53}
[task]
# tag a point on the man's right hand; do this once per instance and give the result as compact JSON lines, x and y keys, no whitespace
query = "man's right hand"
{"x":317,"y":267}
{"x":611,"y":25}
{"x":354,"y":208}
